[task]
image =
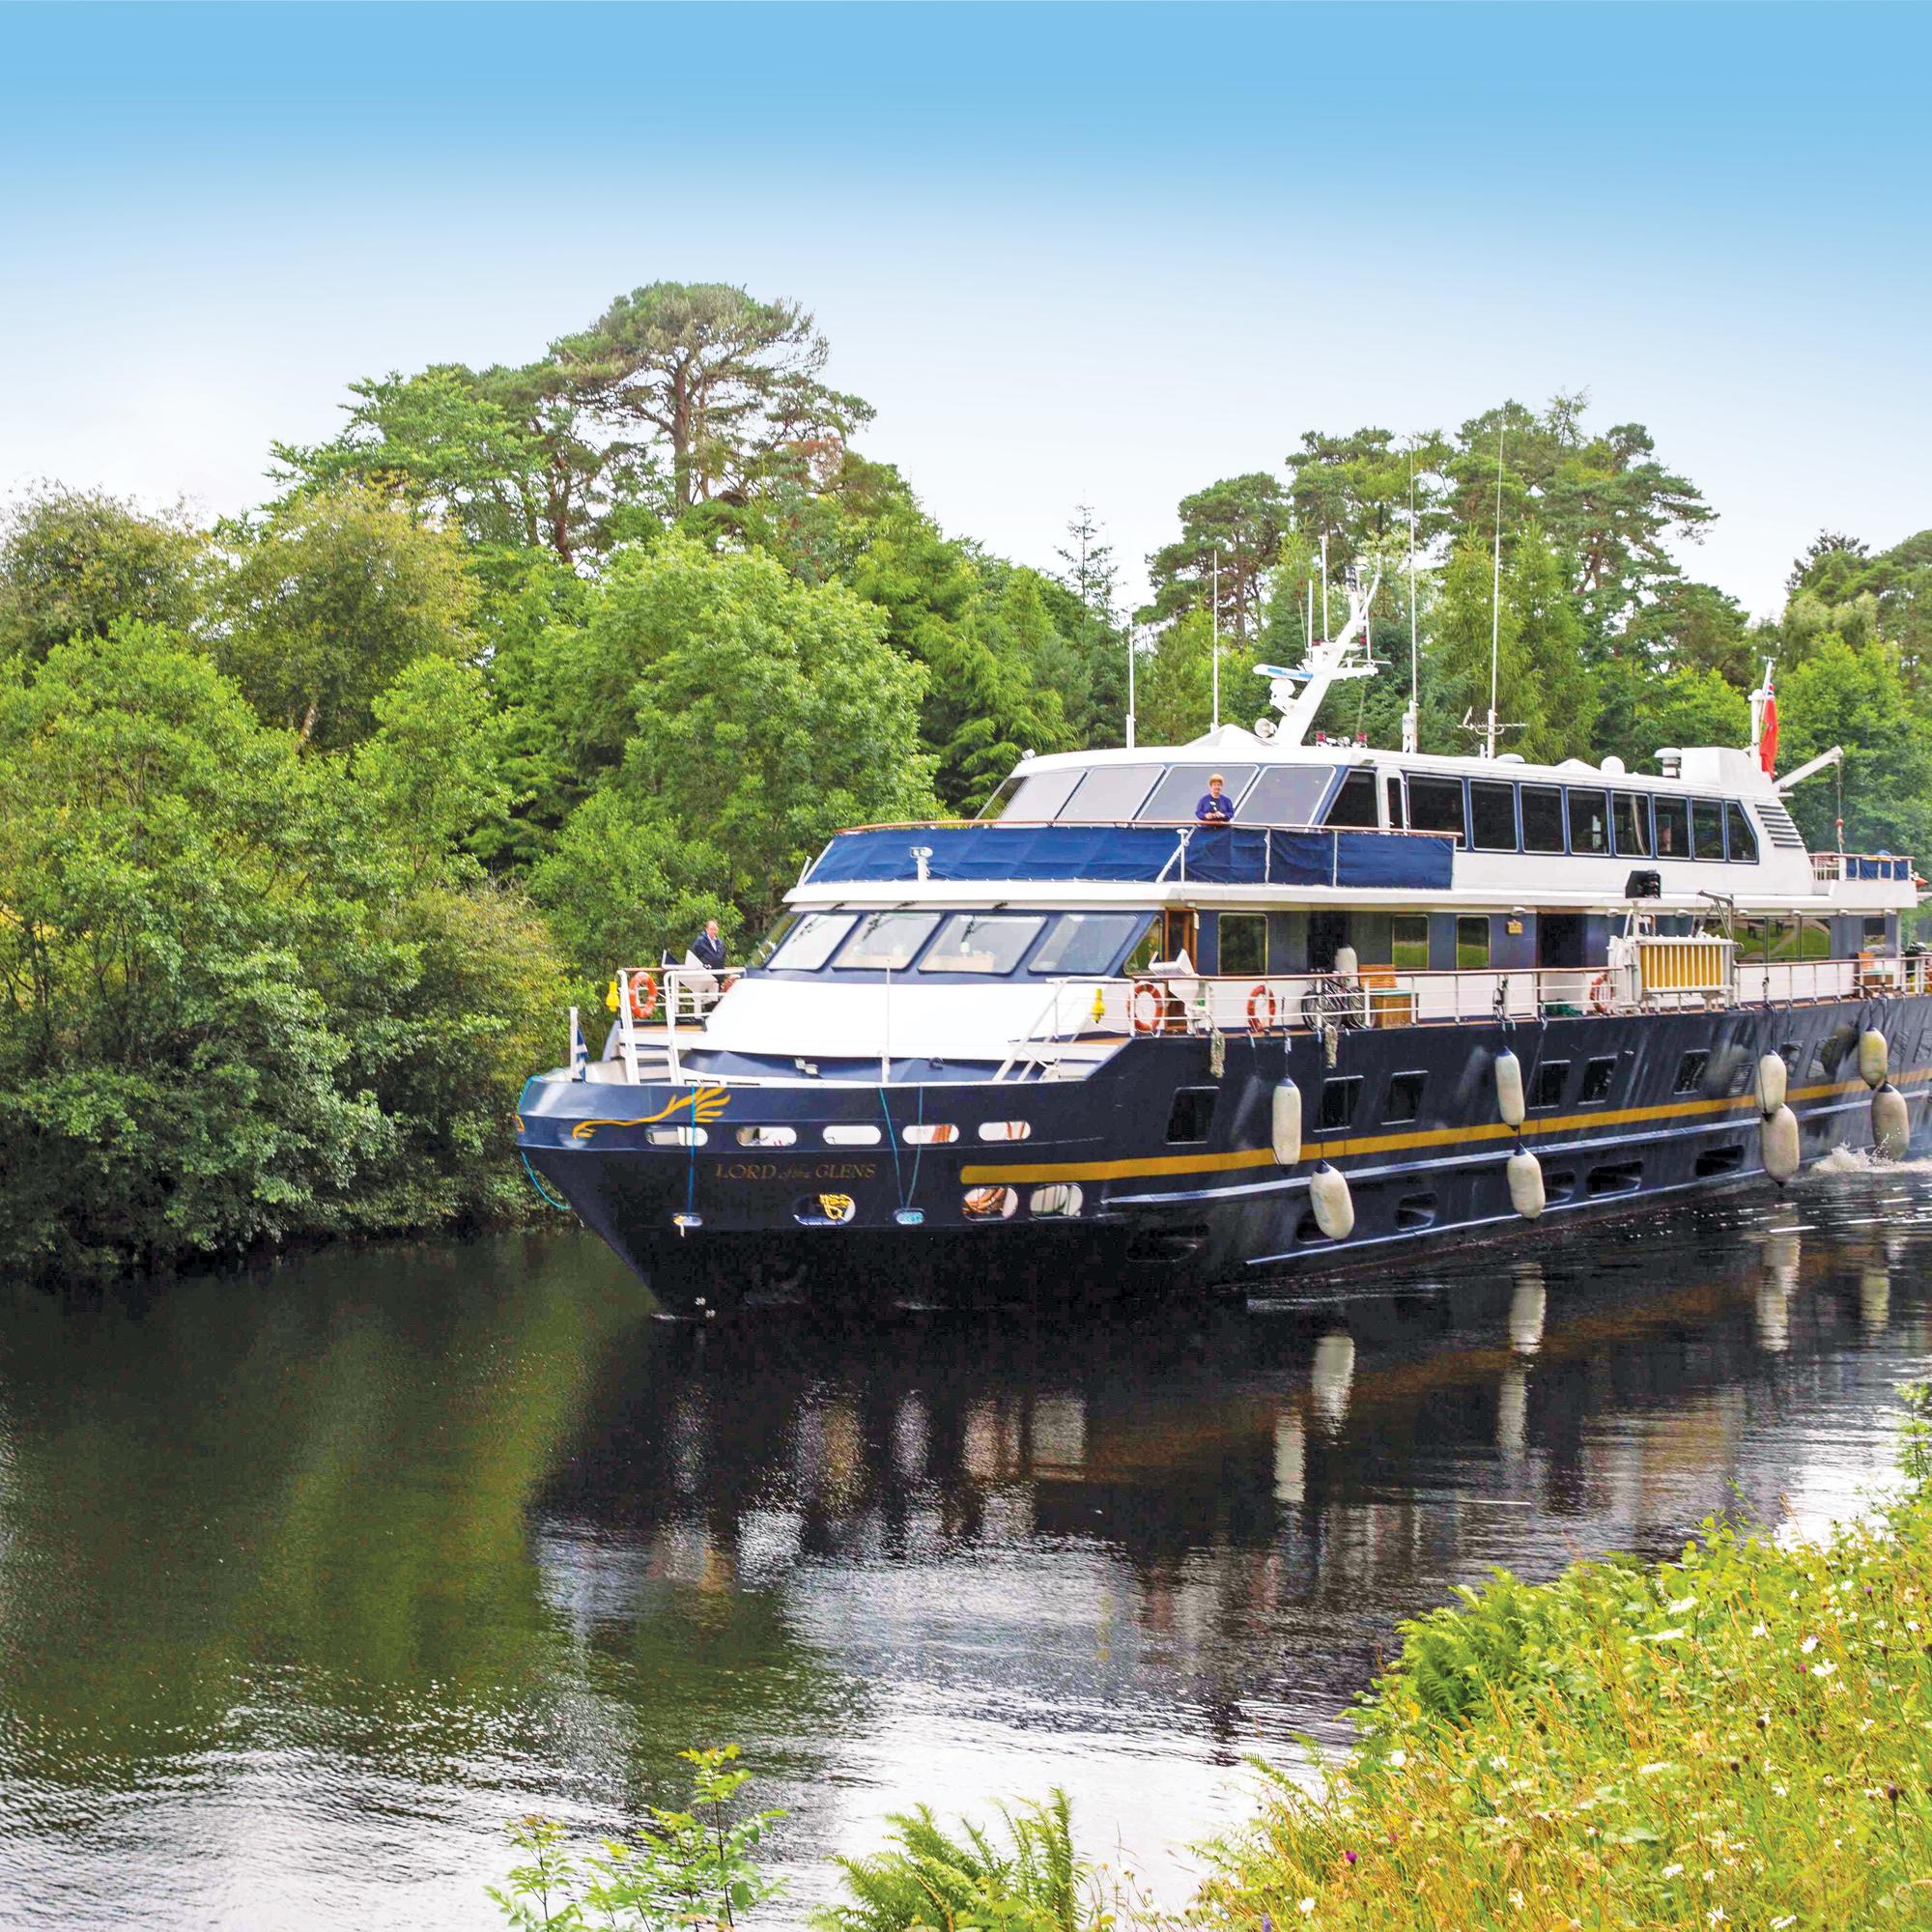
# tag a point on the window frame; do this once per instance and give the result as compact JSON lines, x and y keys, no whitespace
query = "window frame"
{"x":1488,"y":961}
{"x":1038,"y":921}
{"x":1539,"y":1078}
{"x":1601,"y":1066}
{"x":1736,"y":818}
{"x":1676,"y":805}
{"x":1571,"y":793}
{"x":1638,"y":803}
{"x":1557,"y":792}
{"x":1689,"y":1077}
{"x":1221,"y":966}
{"x":1462,"y":790}
{"x":1114,"y":959}
{"x":879,"y":914}
{"x":1335,"y":1082}
{"x":1392,"y":1119}
{"x":777,"y":962}
{"x":1365,"y":774}
{"x":1713,"y":804}
{"x":1509,"y":791}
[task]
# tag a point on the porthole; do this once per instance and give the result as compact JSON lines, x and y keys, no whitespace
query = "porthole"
{"x":1006,"y":1130}
{"x":824,"y":1211}
{"x":852,"y":1134}
{"x":929,"y":1133}
{"x":1061,"y":1199}
{"x":992,"y":1204}
{"x":767,"y":1137}
{"x":688,"y":1137}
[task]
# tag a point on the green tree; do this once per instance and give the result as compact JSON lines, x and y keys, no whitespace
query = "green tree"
{"x":1241,"y":521}
{"x":329,"y":601}
{"x":1855,"y":695}
{"x":509,"y":455}
{"x":75,"y":562}
{"x":722,"y":380}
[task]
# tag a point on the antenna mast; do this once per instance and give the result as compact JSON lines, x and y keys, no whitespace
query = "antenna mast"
{"x":1495,"y":604}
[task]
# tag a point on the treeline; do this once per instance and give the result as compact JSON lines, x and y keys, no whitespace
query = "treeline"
{"x":313,"y":821}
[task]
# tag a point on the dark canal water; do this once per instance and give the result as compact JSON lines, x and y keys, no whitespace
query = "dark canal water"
{"x":310,"y":1580}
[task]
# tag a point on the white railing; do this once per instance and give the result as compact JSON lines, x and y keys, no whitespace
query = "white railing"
{"x":1861,"y":867}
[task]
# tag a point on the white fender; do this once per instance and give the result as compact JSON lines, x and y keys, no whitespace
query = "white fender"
{"x":1892,"y":1126}
{"x":1780,"y":1136}
{"x":1509,"y":1087}
{"x":1286,"y":1125}
{"x":1347,"y":963}
{"x":1771,"y":1077}
{"x":1334,"y":1205}
{"x":1871,"y":1057}
{"x":1525,"y":1183}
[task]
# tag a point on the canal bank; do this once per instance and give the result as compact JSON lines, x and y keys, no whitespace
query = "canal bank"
{"x":310,"y":1583}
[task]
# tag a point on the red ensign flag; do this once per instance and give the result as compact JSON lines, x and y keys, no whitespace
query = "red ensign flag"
{"x":1767,"y":743}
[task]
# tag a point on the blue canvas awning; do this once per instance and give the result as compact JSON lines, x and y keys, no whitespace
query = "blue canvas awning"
{"x":1139,"y":854}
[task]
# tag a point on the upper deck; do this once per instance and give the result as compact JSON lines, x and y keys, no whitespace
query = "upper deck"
{"x":1326,"y":822}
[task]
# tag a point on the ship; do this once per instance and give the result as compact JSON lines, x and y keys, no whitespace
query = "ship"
{"x":1088,"y":1045}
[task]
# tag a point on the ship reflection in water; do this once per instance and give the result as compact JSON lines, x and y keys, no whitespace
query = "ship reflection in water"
{"x":306,"y":1585}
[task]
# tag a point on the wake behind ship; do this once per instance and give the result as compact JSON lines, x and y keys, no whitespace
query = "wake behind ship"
{"x":1085,"y":1043}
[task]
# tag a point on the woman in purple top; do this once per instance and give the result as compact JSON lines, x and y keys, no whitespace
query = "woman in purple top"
{"x":1215,"y":807}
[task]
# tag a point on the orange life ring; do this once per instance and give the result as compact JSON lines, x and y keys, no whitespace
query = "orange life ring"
{"x":1261,"y":1002}
{"x":643,"y":994}
{"x":1601,"y":1001}
{"x":1147,"y":1021}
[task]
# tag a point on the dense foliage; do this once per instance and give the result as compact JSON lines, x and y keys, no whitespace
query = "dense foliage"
{"x":1736,"y":1737}
{"x":315,"y":819}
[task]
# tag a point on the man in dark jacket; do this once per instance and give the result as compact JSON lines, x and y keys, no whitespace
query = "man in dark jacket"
{"x":709,"y":947}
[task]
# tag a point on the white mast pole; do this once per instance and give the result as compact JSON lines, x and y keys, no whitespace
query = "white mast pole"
{"x":1308,"y":613}
{"x":1324,"y":587}
{"x":1130,"y":680}
{"x":1495,"y":604}
{"x":1410,"y":723}
{"x":1215,"y":600}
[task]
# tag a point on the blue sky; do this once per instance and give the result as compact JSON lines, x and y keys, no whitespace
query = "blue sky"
{"x":1080,"y":254}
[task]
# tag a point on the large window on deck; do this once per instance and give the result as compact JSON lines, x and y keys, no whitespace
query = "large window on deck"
{"x":982,"y":942}
{"x":1245,"y":946}
{"x":885,"y":942}
{"x":1176,"y":795}
{"x":1630,"y":815}
{"x":1589,"y":821}
{"x":1286,"y":795}
{"x":1491,"y":816}
{"x":1038,"y":795}
{"x":1673,"y":828}
{"x":1109,"y":792}
{"x":1707,"y":829}
{"x":1742,"y":839}
{"x":1542,"y":819}
{"x":1086,"y":942}
{"x":1436,"y":805}
{"x":1355,"y":802}
{"x":811,"y":941}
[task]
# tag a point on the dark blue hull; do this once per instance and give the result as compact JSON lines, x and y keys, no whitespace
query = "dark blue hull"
{"x":1156,"y":1172}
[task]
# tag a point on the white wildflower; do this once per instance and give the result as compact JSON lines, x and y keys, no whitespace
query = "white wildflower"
{"x":1671,"y":1871}
{"x":1824,"y":1669}
{"x":1397,"y":1758}
{"x":1306,"y":1906}
{"x":1682,"y":1605}
{"x":1779,"y":1925}
{"x":1759,"y":1630}
{"x":1716,"y":1916}
{"x":1653,"y":1769}
{"x":1809,"y":1644}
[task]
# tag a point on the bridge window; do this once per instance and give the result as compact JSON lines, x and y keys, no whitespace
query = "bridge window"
{"x":1673,"y":828}
{"x":1243,"y":941}
{"x":1491,"y":816}
{"x":1542,"y":819}
{"x":1436,"y":805}
{"x":1742,"y":839}
{"x":1589,"y":821}
{"x":1355,"y":802}
{"x":1109,"y":792}
{"x":980,"y":942}
{"x":1176,"y":795}
{"x":812,"y":941}
{"x":1086,"y":942}
{"x":1707,"y":829}
{"x":1627,"y":813}
{"x":886,"y":941}
{"x":1037,"y":795}
{"x":1286,"y":795}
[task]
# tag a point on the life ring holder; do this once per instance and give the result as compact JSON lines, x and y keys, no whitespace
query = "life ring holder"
{"x":643,"y":994}
{"x":1600,"y":997}
{"x":1151,"y":1019}
{"x":1262,"y":1008}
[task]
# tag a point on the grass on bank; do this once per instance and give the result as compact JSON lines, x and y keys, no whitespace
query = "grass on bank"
{"x":1741,"y":1738}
